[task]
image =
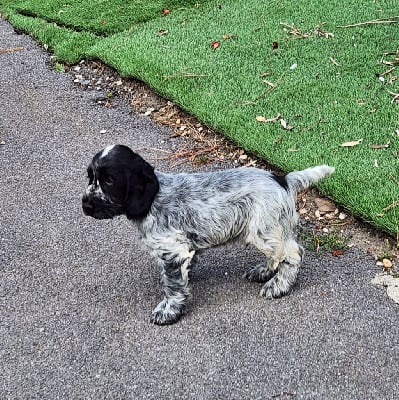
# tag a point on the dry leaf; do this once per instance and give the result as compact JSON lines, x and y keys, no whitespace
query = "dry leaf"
{"x":274,"y":119}
{"x":215,"y":44}
{"x":165,"y":11}
{"x":352,"y":143}
{"x":162,"y":32}
{"x":387,"y":264}
{"x":285,"y":125}
{"x":324,"y":205}
{"x":337,"y":253}
{"x":261,"y":119}
{"x":381,"y":146}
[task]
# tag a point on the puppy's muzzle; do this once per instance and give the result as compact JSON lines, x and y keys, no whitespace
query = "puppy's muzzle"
{"x":95,"y":207}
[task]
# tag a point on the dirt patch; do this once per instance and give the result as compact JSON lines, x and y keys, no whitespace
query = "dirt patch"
{"x":201,"y":145}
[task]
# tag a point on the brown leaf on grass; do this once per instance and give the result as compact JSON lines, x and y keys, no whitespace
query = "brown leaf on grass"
{"x":275,"y":45}
{"x":273,"y":119}
{"x":165,"y":11}
{"x":380,"y":146}
{"x":162,"y":32}
{"x":229,"y":36}
{"x":215,"y":44}
{"x":352,"y":143}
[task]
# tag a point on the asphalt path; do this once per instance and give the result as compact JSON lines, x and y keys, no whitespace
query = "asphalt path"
{"x":76,"y":294}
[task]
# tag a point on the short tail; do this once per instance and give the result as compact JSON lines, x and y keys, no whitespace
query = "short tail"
{"x":300,"y":180}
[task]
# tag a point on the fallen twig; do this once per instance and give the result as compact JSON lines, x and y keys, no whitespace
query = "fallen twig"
{"x":297,"y":33}
{"x":185,"y":75}
{"x":334,"y":61}
{"x":391,"y":20}
{"x":264,"y":94}
{"x":395,"y":96}
{"x":11,"y":49}
{"x":394,"y":204}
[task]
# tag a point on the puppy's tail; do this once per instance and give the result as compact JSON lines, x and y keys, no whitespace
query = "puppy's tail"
{"x":300,"y":180}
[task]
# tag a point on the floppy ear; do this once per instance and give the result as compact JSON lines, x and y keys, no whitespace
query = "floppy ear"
{"x":143,"y":186}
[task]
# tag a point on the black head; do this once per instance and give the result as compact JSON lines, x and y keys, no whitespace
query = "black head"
{"x":120,"y":182}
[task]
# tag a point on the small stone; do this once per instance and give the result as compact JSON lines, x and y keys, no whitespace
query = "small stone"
{"x":149,"y":111}
{"x":387,"y":263}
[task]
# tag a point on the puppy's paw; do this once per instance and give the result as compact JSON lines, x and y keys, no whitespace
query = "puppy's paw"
{"x":274,"y":288}
{"x":167,"y":312}
{"x":259,"y":273}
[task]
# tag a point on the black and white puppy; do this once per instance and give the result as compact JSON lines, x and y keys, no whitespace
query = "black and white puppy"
{"x":179,"y":215}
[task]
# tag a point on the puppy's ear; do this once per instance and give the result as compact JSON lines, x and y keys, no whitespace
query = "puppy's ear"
{"x":143,"y":186}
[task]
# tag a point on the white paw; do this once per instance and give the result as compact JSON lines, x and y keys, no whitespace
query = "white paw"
{"x":167,"y":312}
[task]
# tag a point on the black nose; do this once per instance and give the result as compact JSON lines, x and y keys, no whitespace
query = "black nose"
{"x":86,"y":204}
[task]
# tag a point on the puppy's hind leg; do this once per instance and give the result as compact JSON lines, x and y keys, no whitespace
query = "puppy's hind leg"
{"x":174,"y":278}
{"x":287,"y":271}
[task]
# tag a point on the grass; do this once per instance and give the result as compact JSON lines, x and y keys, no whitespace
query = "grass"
{"x":324,"y":242}
{"x":273,"y":57}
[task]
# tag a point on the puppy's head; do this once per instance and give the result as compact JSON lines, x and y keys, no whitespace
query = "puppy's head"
{"x":120,"y":182}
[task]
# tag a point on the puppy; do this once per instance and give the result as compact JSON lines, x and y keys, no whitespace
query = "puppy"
{"x":178,"y":215}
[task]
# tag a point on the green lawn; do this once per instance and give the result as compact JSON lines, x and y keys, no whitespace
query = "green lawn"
{"x":273,"y":57}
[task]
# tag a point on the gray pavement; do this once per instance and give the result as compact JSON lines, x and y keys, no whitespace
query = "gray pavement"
{"x":76,"y":294}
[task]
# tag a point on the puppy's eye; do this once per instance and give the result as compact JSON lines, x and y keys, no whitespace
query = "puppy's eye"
{"x":109,"y":181}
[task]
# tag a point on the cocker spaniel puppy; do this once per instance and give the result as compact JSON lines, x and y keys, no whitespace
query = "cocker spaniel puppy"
{"x":178,"y":215}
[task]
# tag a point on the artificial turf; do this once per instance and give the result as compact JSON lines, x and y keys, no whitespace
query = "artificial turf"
{"x":230,"y":62}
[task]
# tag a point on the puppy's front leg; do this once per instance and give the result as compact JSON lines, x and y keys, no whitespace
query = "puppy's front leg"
{"x":174,"y":277}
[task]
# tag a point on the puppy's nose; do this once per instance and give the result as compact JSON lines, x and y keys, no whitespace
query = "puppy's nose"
{"x":86,"y":204}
